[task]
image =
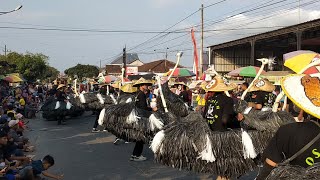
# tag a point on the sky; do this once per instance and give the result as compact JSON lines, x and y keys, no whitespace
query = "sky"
{"x":227,"y":20}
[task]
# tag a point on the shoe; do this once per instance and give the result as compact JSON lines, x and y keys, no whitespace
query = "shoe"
{"x":139,"y":158}
{"x":117,"y":141}
{"x":94,"y":130}
{"x":105,"y":130}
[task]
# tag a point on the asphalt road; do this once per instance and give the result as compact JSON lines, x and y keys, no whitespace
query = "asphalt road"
{"x":82,"y":155}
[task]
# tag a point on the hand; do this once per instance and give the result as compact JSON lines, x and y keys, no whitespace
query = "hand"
{"x":3,"y":171}
{"x":60,"y":177}
{"x":28,"y":159}
{"x":240,"y":117}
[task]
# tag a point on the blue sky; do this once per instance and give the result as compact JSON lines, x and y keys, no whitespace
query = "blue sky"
{"x":66,"y":49}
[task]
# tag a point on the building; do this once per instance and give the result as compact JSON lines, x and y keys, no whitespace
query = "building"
{"x":242,"y":52}
{"x":132,"y":60}
{"x":159,"y":66}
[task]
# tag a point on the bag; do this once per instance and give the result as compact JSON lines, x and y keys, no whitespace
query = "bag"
{"x":286,"y":171}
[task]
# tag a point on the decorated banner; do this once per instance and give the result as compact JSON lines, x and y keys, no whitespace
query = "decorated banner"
{"x":195,"y":54}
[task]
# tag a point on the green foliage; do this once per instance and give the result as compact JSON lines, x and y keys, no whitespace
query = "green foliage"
{"x":30,"y":66}
{"x":82,"y":71}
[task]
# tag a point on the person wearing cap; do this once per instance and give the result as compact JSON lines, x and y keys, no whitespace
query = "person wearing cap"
{"x":262,"y":95}
{"x":296,"y":144}
{"x":219,"y":108}
{"x":13,"y":135}
{"x":141,"y":102}
{"x":13,"y":149}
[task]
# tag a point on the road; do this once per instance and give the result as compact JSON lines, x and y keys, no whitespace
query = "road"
{"x":82,"y":155}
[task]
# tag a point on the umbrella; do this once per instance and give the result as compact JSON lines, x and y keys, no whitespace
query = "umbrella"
{"x":110,"y":78}
{"x":248,"y":71}
{"x":13,"y":79}
{"x":181,"y":72}
{"x":297,"y":60}
{"x":196,"y":84}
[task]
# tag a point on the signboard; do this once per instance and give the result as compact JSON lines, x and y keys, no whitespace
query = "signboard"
{"x":132,"y":70}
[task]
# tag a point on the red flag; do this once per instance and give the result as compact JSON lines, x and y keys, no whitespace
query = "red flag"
{"x":195,"y":55}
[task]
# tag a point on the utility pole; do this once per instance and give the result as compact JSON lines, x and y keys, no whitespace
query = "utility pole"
{"x":100,"y":64}
{"x":299,"y":13}
{"x":201,"y":48}
{"x":124,"y":61}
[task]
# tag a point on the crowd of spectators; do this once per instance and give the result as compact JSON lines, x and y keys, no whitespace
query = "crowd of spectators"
{"x":18,"y":107}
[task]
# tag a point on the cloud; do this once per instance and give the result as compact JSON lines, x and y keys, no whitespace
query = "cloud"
{"x":165,"y":3}
{"x":244,"y":22}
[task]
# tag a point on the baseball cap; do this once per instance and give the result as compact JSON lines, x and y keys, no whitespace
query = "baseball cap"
{"x":13,"y":123}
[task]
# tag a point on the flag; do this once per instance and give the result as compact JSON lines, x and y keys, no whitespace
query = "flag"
{"x":195,"y":55}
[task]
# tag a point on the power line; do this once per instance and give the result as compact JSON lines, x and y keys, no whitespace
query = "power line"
{"x":253,"y":9}
{"x":88,"y":30}
{"x":175,"y":24}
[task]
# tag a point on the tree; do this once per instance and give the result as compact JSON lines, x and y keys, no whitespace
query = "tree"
{"x":51,"y":73}
{"x":30,"y":66}
{"x":82,"y":71}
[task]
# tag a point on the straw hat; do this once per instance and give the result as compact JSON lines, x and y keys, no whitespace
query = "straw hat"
{"x":304,"y":91}
{"x":94,"y":83}
{"x":262,"y":85}
{"x":128,"y":88}
{"x":61,"y":86}
{"x":218,"y":84}
{"x":115,"y":84}
{"x":142,"y":81}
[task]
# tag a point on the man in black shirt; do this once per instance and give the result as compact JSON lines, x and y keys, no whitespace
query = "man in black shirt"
{"x":219,"y":107}
{"x":288,"y":140}
{"x":292,"y":138}
{"x":219,"y":111}
{"x":141,"y":102}
{"x":262,"y":94}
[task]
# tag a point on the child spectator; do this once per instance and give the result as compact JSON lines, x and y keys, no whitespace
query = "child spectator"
{"x":40,"y":167}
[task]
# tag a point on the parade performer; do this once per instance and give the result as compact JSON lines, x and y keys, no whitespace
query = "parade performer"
{"x":56,"y":106}
{"x":293,"y":153}
{"x":262,"y":117}
{"x":262,"y":94}
{"x":131,"y":119}
{"x":219,"y":107}
{"x":141,"y":102}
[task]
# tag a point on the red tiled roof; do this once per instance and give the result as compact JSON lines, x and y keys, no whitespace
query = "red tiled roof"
{"x":113,"y":69}
{"x":159,"y":66}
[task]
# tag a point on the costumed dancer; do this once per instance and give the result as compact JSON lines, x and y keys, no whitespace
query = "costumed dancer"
{"x":293,"y":153}
{"x":262,"y":94}
{"x":261,"y":116}
{"x":141,"y":102}
{"x":131,"y":119}
{"x":61,"y":103}
{"x":55,"y":106}
{"x":101,"y":89}
{"x":219,"y":107}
